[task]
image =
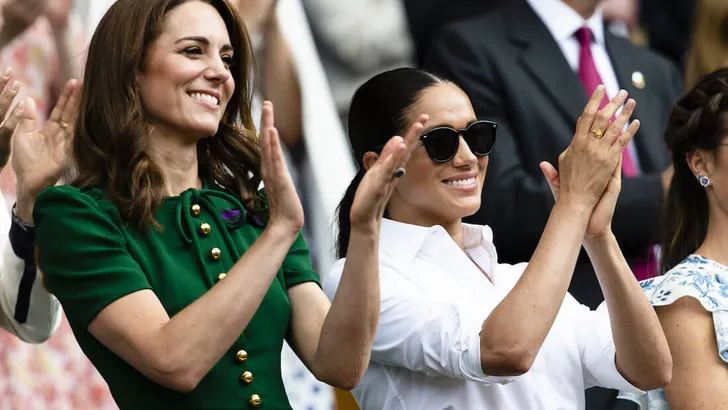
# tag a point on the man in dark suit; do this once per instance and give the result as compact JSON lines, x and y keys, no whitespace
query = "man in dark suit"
{"x":523,"y":66}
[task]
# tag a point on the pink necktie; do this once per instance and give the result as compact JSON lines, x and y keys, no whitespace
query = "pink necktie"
{"x":590,"y":79}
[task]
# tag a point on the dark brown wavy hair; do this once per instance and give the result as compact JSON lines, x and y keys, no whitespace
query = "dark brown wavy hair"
{"x":112,"y":129}
{"x":699,"y":120}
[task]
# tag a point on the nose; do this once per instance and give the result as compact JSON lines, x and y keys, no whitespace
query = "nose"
{"x":464,"y":156}
{"x":217,"y":71}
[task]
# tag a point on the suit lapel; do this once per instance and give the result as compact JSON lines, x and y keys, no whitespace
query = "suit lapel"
{"x":543,"y":60}
{"x":625,"y":64}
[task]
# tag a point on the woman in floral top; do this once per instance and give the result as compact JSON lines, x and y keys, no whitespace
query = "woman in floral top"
{"x":691,"y":298}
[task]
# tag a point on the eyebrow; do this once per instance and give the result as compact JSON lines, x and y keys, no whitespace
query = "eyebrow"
{"x":205,"y":41}
{"x":425,"y":131}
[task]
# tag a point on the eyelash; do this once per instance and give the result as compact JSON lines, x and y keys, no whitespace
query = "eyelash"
{"x":227,"y":59}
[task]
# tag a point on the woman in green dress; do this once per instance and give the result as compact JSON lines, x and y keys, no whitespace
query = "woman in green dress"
{"x":180,"y":280}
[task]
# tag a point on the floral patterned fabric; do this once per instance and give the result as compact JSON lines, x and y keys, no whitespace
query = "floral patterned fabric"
{"x":699,"y":278}
{"x":54,"y":375}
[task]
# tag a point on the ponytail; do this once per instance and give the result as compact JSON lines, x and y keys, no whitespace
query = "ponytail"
{"x":343,"y":212}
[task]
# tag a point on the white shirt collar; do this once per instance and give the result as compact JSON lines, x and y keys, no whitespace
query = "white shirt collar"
{"x":563,"y":21}
{"x":403,"y":241}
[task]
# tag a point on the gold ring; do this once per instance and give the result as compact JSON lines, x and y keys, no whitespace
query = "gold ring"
{"x":598,"y":133}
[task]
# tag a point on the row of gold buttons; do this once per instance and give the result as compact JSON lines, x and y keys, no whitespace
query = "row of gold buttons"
{"x":247,"y":378}
{"x":241,"y":355}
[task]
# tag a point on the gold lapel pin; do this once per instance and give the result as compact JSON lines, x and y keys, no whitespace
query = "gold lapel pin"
{"x":638,"y":80}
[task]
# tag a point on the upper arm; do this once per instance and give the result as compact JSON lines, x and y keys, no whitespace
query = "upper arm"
{"x":699,"y":376}
{"x":87,"y":266}
{"x":309,"y":304}
{"x":596,"y":346}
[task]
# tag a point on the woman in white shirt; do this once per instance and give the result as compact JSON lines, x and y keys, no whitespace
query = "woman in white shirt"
{"x":458,"y":330}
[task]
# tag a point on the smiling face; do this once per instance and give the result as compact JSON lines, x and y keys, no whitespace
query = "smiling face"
{"x":186,"y":82}
{"x":431,"y":193}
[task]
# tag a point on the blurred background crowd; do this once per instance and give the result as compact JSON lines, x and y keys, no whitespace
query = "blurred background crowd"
{"x":313,"y":54}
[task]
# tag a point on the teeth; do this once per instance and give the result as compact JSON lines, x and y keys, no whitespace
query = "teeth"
{"x":204,"y":97}
{"x":461,"y":182}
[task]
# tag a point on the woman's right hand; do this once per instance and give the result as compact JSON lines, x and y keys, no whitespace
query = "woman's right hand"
{"x":284,"y":205}
{"x":376,"y":187}
{"x":589,"y":162}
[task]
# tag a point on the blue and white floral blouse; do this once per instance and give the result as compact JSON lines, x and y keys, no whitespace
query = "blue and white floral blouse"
{"x":702,"y":279}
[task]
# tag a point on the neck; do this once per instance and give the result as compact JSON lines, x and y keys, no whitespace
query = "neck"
{"x":716,"y":240}
{"x":454,"y":228}
{"x":177,"y":159}
{"x":585,"y":8}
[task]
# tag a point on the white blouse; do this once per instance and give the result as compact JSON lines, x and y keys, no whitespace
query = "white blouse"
{"x":434,"y":300}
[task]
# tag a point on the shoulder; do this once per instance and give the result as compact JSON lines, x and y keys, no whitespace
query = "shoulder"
{"x":73,"y":205}
{"x":483,"y":30}
{"x":702,"y":279}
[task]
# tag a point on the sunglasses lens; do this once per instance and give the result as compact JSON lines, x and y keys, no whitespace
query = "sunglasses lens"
{"x":441,"y":144}
{"x":480,"y":137}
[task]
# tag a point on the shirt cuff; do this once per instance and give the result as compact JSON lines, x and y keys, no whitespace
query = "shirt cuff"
{"x":471,"y":366}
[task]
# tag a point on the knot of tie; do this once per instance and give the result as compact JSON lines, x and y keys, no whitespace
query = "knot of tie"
{"x":585,"y":36}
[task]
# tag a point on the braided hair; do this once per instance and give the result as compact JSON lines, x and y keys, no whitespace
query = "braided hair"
{"x":698,"y":121}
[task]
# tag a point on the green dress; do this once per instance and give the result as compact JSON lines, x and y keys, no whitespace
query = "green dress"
{"x":90,"y":258}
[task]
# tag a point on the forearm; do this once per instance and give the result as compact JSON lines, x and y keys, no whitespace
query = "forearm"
{"x":280,"y":84}
{"x":519,"y":324}
{"x":643,"y":355}
{"x":350,"y":326}
{"x":196,"y":338}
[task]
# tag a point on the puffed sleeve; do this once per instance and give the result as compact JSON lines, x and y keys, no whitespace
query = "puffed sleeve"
{"x":83,"y":253}
{"x":297,"y":264}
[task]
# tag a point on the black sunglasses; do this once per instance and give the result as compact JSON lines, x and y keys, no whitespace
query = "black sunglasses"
{"x":442,"y":143}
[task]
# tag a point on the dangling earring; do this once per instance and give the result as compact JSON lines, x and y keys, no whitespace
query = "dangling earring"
{"x":704,"y":180}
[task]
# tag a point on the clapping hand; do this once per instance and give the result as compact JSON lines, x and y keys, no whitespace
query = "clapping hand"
{"x":381,"y":178}
{"x":40,"y":153}
{"x":284,"y":205}
{"x":605,"y":152}
{"x":10,"y":122}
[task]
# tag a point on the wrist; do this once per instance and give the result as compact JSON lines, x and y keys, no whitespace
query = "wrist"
{"x":281,"y":231}
{"x":578,"y":205}
{"x":599,"y":239}
{"x":24,"y":209}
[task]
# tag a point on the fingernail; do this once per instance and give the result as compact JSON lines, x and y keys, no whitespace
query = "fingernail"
{"x":600,"y":88}
{"x":622,"y":93}
{"x":7,"y":72}
{"x":15,"y":86}
{"x":630,"y":103}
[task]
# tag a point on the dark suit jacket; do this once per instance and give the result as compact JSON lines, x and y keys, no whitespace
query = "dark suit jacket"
{"x":515,"y":73}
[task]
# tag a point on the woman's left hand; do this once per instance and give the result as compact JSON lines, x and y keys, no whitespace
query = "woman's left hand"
{"x":375,"y":189}
{"x":600,"y":222}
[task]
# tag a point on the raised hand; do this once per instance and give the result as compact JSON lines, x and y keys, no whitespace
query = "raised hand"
{"x":40,"y":154}
{"x":284,"y":205}
{"x":588,"y":163}
{"x":379,"y":181}
{"x":602,"y":213}
{"x":10,"y":122}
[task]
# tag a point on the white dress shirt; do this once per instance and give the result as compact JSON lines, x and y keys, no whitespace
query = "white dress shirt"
{"x":44,"y":312}
{"x":434,"y":300}
{"x":562,"y":22}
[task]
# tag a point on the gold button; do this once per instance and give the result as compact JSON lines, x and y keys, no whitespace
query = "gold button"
{"x":246,"y":377}
{"x":196,"y":210}
{"x":205,"y":228}
{"x":242,"y":355}
{"x":221,"y":276}
{"x":215,"y":253}
{"x":255,"y":400}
